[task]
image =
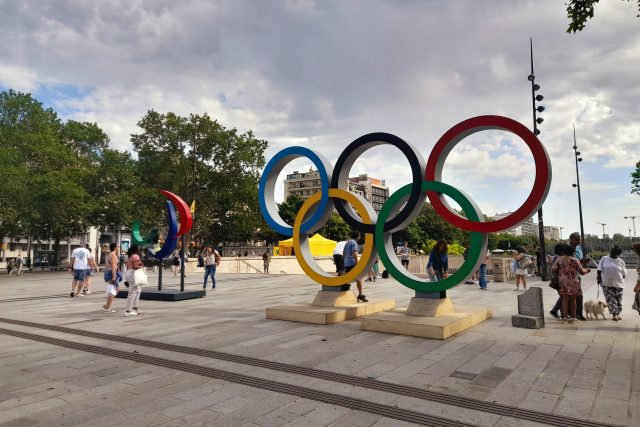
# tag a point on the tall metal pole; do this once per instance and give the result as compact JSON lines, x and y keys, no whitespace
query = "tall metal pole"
{"x":633,"y":219}
{"x":543,"y":264}
{"x":575,"y":151}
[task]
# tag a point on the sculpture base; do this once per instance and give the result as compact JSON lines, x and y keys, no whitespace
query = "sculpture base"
{"x":329,"y":307}
{"x":428,"y":318}
{"x":165,"y":294}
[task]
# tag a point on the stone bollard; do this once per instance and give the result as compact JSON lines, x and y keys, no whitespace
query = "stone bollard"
{"x":530,"y":310}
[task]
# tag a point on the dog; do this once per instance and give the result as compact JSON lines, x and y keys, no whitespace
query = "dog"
{"x":594,"y":308}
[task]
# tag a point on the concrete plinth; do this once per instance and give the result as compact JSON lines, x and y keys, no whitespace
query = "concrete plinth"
{"x":329,"y":307}
{"x":165,"y":294}
{"x":428,"y":318}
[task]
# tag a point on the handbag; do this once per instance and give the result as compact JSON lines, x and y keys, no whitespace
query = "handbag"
{"x":139,"y":277}
{"x":525,"y":262}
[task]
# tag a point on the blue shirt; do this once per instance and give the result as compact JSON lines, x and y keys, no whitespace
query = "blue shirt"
{"x":579,"y":255}
{"x":349,"y":248}
{"x":439,"y":262}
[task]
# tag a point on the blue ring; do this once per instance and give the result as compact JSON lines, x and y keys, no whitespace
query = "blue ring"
{"x":279,"y":161}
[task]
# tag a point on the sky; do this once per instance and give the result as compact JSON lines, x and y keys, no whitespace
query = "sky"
{"x":320,"y":74}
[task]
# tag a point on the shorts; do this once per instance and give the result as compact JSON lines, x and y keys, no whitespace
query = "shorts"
{"x":349,"y":268}
{"x":79,"y":274}
{"x":112,"y":290}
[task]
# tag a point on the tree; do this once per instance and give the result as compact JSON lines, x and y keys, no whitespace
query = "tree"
{"x":580,"y":11}
{"x":635,"y":180}
{"x":198,"y":158}
{"x":51,"y":201}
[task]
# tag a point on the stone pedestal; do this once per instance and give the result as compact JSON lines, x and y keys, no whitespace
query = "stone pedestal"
{"x":530,"y":310}
{"x":330,"y":305}
{"x":429,"y":317}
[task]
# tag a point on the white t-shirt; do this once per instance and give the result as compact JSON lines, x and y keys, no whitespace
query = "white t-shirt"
{"x":613,"y":271}
{"x":80,"y":258}
{"x":339,"y":248}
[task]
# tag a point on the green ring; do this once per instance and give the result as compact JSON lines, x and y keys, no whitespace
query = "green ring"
{"x":384,"y":241}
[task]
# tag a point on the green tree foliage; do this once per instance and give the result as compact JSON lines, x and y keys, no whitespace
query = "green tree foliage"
{"x":197,"y":157}
{"x":635,"y":180}
{"x":336,"y":228}
{"x":580,"y":11}
{"x":51,"y":201}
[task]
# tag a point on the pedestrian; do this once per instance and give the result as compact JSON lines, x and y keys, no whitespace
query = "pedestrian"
{"x":405,"y":254}
{"x":376,"y":269}
{"x":483,"y":271}
{"x":91,"y":262}
{"x":523,"y":261}
{"x":78,"y":267}
{"x":574,"y":242}
{"x":611,"y":274}
{"x":211,"y":263}
{"x":19,"y":262}
{"x":438,"y":265}
{"x":175,"y":264}
{"x":350,"y":255}
{"x":568,"y":268}
{"x":266,"y":260}
{"x":10,"y":266}
{"x":636,"y":289}
{"x":111,"y":276}
{"x":338,"y":256}
{"x":134,"y":264}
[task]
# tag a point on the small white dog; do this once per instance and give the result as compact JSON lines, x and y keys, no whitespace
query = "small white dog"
{"x":594,"y":308}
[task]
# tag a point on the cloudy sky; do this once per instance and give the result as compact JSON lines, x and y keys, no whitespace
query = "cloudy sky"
{"x":322,"y":73}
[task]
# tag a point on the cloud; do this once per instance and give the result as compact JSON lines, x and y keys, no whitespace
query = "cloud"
{"x":321,"y":74}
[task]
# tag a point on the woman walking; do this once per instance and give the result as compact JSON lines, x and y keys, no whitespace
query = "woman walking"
{"x":134,"y":263}
{"x":438,"y":265}
{"x":611,"y":274}
{"x":567,"y":268}
{"x":211,"y":261}
{"x":111,"y":276}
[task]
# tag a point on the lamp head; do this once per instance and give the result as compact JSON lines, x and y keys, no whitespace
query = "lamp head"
{"x":536,"y":87}
{"x":531,"y":77}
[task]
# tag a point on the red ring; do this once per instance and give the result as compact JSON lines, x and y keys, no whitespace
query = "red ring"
{"x":465,"y":128}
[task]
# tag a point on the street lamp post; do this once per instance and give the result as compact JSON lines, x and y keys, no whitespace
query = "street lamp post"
{"x":536,"y":121}
{"x":577,"y":184}
{"x":633,"y":219}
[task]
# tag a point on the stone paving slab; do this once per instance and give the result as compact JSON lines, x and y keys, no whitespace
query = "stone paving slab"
{"x":588,"y":370}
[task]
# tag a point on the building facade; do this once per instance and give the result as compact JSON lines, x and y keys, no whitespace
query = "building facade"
{"x":305,"y":184}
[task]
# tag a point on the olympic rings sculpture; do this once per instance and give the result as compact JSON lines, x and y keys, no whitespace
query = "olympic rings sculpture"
{"x":402,"y":207}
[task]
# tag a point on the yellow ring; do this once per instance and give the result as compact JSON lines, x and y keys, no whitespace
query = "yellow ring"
{"x":301,"y":243}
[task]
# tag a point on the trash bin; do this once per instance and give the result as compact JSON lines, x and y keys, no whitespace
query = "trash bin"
{"x":498,"y":270}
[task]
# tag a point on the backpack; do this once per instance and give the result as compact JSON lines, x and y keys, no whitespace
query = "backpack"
{"x":19,"y":261}
{"x":385,"y":274}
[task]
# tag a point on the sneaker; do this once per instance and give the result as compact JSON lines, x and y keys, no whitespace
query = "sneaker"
{"x":87,"y":292}
{"x":72,"y":294}
{"x":362,"y":298}
{"x":554,"y":314}
{"x":135,"y":309}
{"x":130,"y":313}
{"x":107,"y":310}
{"x":126,"y":284}
{"x":484,"y":289}
{"x":581,"y":318}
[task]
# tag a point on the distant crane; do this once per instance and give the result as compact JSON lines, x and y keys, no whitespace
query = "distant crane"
{"x":603,"y":225}
{"x":632,"y":218}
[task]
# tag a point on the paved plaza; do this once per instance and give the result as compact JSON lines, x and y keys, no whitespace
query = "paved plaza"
{"x":218,"y":361}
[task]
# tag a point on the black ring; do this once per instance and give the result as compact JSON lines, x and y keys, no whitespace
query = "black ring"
{"x":349,"y":156}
